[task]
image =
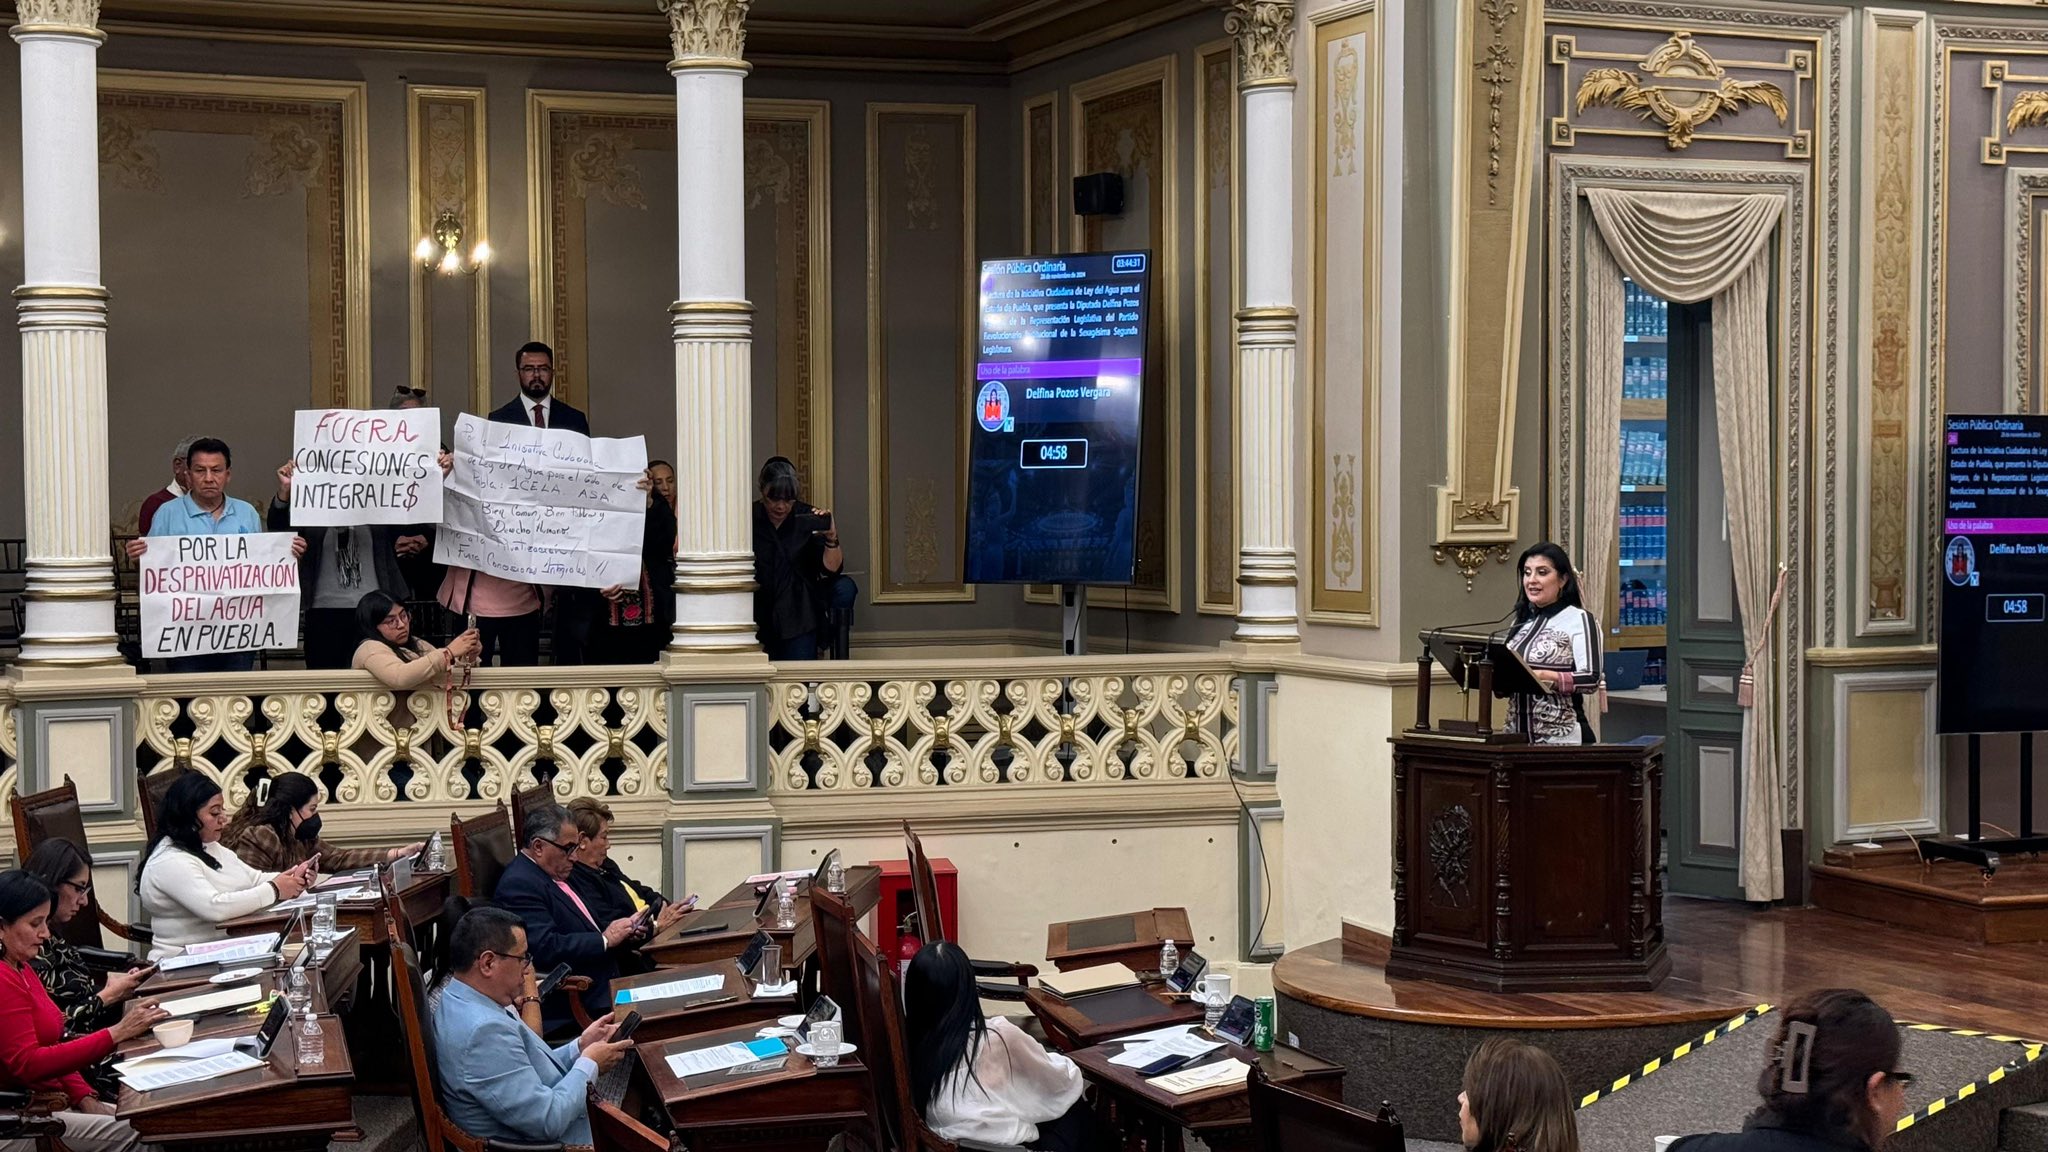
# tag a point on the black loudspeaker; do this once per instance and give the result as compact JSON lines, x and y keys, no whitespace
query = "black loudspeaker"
{"x":1101,"y":194}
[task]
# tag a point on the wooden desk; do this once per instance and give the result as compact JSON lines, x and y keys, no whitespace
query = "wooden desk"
{"x":1153,"y":1119}
{"x":733,"y":913}
{"x":421,"y":899}
{"x":730,"y":1007}
{"x":1092,"y":1017}
{"x":334,"y":978}
{"x":799,"y":1107}
{"x":1131,"y":939}
{"x":332,"y":985}
{"x":276,"y":1108}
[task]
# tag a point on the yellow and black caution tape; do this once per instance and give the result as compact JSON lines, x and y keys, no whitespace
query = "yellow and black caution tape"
{"x":1679,"y":1052}
{"x":2030,"y":1051}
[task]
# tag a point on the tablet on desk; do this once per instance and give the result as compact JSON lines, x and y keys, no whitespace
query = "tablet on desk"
{"x":1192,"y":966}
{"x":1236,"y":1025}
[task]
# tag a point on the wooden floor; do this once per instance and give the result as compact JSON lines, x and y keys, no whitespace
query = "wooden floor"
{"x":1725,"y":958}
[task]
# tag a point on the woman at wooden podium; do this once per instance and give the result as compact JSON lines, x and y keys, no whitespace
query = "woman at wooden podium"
{"x":1560,"y":642}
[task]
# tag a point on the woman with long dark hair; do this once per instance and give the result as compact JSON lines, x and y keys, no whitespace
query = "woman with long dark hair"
{"x":1559,"y":640}
{"x":399,"y":660}
{"x":283,"y":831}
{"x":1830,"y":1084}
{"x":979,"y":1079}
{"x":87,"y":1008}
{"x":191,"y":883}
{"x":1515,"y":1100}
{"x":34,"y":1056}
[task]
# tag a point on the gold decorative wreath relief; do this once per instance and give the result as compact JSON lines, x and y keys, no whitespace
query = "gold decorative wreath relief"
{"x":1681,"y":109}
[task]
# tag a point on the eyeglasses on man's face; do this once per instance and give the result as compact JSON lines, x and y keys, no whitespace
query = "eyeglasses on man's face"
{"x":525,"y":958}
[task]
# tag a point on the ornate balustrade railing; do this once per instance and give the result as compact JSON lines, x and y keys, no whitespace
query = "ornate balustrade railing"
{"x":1001,"y":724}
{"x":594,"y":732}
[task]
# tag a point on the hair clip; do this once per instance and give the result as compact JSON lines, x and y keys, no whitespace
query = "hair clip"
{"x":1794,"y":1056}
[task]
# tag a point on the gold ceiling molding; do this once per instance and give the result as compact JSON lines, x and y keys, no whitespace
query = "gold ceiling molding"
{"x":58,"y":16}
{"x":1265,"y":40}
{"x":1685,"y":107}
{"x":1498,"y":104}
{"x":707,"y":33}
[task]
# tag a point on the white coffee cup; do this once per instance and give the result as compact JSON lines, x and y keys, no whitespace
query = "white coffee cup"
{"x":825,"y":1037}
{"x":173,"y":1033}
{"x":1664,"y":1142}
{"x":1213,"y":988}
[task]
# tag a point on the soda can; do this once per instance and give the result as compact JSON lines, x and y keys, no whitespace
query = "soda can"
{"x":1263,"y":1024}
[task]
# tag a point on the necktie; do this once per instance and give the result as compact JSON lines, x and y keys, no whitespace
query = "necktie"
{"x":540,"y":415}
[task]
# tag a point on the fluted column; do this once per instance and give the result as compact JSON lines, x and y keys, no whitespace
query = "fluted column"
{"x":63,"y":318}
{"x":1266,"y":570}
{"x":713,"y":326}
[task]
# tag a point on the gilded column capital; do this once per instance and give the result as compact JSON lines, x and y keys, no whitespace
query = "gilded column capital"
{"x":1264,"y":30}
{"x":78,"y":17}
{"x":707,"y":33}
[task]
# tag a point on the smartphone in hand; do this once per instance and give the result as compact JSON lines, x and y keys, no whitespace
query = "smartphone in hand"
{"x":551,"y":981}
{"x":626,"y":1028}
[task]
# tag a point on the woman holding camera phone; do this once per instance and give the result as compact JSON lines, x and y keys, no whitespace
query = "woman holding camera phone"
{"x":796,"y":556}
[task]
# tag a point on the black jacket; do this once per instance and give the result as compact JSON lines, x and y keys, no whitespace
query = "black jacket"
{"x":557,"y":933}
{"x":603,"y":889}
{"x":1761,"y":1134}
{"x":560,"y":415}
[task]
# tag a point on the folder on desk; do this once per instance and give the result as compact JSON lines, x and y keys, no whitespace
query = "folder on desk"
{"x":236,"y":997}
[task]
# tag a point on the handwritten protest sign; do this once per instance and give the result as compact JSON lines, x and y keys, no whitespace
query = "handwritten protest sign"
{"x":366,"y":467}
{"x":204,"y":595}
{"x":544,"y":506}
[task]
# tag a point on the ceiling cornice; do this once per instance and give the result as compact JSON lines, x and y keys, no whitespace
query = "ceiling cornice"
{"x":1027,"y":35}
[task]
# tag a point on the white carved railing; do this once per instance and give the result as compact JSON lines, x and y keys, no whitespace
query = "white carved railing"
{"x":10,"y":743}
{"x":341,"y":727}
{"x":998,"y":724}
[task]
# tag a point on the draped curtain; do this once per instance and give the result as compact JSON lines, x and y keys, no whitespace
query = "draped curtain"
{"x":1688,"y":247}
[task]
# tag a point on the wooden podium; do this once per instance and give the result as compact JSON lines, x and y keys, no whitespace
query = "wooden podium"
{"x":1526,"y":867}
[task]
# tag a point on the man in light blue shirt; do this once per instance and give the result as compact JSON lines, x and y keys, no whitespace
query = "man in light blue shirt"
{"x":501,"y":1081}
{"x":206,"y":509}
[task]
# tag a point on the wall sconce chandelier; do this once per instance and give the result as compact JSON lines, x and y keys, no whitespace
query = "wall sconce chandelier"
{"x":442,"y":251}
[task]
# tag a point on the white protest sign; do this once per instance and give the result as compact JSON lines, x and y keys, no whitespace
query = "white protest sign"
{"x":544,"y":506}
{"x":366,"y":467}
{"x":205,"y":595}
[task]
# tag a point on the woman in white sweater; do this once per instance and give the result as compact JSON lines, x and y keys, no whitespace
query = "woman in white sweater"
{"x":191,"y":883}
{"x":977,"y":1079}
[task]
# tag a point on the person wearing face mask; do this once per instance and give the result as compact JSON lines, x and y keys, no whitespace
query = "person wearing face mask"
{"x":191,"y":883}
{"x":282,"y":830}
{"x":1560,"y":642}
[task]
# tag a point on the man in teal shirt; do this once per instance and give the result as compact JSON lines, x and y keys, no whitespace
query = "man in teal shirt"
{"x":500,"y":1080}
{"x":206,"y":509}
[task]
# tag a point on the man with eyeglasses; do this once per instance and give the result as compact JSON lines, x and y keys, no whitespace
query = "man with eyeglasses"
{"x":559,"y":925}
{"x":501,"y":1082}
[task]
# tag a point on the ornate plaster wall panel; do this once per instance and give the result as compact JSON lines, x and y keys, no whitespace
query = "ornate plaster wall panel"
{"x":1126,"y":123}
{"x":1042,"y":233}
{"x":265,"y":276}
{"x":1344,"y":308}
{"x":601,"y":174}
{"x":451,"y":316}
{"x":921,"y":323}
{"x":1218,"y":243}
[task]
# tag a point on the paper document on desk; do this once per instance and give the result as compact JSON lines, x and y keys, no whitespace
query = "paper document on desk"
{"x":702,"y":1060}
{"x":672,"y":989}
{"x":234,"y":997}
{"x":222,"y":952}
{"x":1152,"y":1051}
{"x":172,"y":1057}
{"x":192,"y":1070}
{"x":1166,"y":1033}
{"x":787,"y":988}
{"x":1216,"y":1075}
{"x":764,"y":877}
{"x":341,"y":896}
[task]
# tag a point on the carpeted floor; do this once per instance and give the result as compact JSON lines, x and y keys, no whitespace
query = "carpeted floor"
{"x":387,"y":1123}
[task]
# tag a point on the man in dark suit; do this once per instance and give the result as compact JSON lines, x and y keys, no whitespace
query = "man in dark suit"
{"x":560,"y":927}
{"x":536,"y":405}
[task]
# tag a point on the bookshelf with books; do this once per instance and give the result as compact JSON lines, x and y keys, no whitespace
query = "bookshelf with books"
{"x":1637,"y":611}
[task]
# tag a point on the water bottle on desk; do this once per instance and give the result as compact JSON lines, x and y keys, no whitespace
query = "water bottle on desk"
{"x":299,"y":996}
{"x":785,"y":904}
{"x":835,"y":876}
{"x":1169,"y":959}
{"x":312,"y":1041}
{"x":323,"y":925}
{"x":435,"y":861}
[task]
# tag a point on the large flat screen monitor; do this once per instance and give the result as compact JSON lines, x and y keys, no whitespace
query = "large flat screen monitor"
{"x":1994,"y":574}
{"x":1053,"y":454}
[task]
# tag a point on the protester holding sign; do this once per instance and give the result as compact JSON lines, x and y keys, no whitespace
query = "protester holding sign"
{"x":207,"y":510}
{"x":340,"y":565}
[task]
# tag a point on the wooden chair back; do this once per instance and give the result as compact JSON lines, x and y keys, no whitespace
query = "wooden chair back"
{"x":484,"y":847}
{"x":924,"y":889}
{"x":150,"y":791}
{"x":611,"y":1130}
{"x":898,"y":1123}
{"x":526,"y":800}
{"x":55,"y":815}
{"x":437,"y":1132}
{"x":835,"y":925}
{"x":1289,"y":1120}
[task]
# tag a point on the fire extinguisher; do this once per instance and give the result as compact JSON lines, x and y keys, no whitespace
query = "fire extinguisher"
{"x":907,"y":945}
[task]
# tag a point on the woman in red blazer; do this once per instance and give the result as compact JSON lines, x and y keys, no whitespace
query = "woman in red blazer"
{"x":34,"y":1056}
